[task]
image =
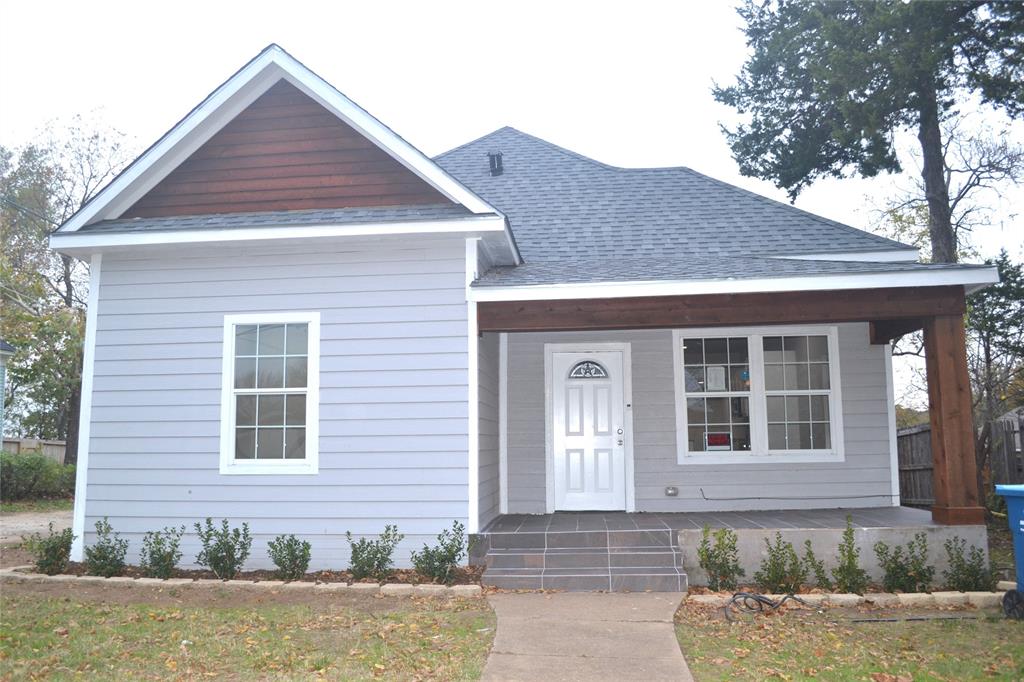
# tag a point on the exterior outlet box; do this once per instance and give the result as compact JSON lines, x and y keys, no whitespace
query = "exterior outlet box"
{"x":671,"y":491}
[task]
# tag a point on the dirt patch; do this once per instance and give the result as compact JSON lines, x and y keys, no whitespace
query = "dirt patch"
{"x":14,"y":555}
{"x":465,"y":575}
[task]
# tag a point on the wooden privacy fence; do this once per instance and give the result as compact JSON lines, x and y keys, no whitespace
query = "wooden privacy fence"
{"x":914,"y":453}
{"x":54,"y":449}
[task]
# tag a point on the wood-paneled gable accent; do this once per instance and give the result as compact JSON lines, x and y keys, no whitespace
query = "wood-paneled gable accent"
{"x":658,"y":312}
{"x":284,"y":152}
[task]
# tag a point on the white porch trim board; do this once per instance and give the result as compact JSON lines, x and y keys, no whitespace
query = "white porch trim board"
{"x":85,"y":408}
{"x":893,"y":441}
{"x":473,"y":352}
{"x":503,"y":422}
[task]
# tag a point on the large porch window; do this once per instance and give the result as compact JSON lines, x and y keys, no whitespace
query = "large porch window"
{"x":757,"y":395}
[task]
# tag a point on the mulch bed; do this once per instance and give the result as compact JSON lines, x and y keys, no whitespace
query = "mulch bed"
{"x":464,"y":575}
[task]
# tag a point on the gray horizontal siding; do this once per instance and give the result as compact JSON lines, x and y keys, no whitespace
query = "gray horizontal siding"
{"x":393,"y":399}
{"x":488,"y":432}
{"x":862,"y":479}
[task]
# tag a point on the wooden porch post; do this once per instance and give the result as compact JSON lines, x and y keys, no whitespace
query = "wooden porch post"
{"x":949,"y":400}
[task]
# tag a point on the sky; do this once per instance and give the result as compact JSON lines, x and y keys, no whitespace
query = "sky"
{"x":628,"y":83}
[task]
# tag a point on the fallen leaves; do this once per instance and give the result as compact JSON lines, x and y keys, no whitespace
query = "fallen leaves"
{"x":805,"y":644}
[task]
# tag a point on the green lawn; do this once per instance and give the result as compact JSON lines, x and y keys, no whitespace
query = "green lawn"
{"x":36,"y":506}
{"x":56,"y":636}
{"x":801,"y":645}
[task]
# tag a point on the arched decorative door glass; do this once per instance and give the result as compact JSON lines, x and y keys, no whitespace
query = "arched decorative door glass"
{"x":588,"y":369}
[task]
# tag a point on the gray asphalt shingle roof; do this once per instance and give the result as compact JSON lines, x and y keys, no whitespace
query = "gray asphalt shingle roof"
{"x":579,"y":220}
{"x":331,"y":216}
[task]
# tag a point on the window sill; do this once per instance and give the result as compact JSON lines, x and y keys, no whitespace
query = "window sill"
{"x":705,"y":458}
{"x":267,"y":469}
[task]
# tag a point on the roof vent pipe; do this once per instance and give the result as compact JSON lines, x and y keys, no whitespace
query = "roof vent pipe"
{"x":495,"y":160}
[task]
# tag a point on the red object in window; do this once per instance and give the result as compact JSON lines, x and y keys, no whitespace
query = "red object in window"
{"x":719,"y":439}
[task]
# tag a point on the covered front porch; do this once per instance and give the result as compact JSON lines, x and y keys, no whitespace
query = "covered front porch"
{"x":611,"y":431}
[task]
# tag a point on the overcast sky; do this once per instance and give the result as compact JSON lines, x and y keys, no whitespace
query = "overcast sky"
{"x":627,"y":83}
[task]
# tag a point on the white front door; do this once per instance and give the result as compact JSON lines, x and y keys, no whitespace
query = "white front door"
{"x":588,"y":443}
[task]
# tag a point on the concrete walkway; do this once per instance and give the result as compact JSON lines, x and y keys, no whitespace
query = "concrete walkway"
{"x":586,"y":636}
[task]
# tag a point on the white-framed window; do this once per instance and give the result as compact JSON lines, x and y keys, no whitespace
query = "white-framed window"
{"x":270,"y":393}
{"x":766,"y":394}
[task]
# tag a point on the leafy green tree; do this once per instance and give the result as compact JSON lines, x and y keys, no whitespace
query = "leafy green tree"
{"x":829,"y":83}
{"x":995,"y":333}
{"x":43,"y":293}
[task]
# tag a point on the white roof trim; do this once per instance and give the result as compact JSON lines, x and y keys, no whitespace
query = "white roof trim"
{"x":226,"y":102}
{"x":908,"y":255}
{"x":971,"y":279}
{"x":89,"y":242}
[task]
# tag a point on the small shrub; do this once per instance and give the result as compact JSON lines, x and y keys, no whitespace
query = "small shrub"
{"x":721,"y":561}
{"x":105,"y":557}
{"x":910,"y":573}
{"x":439,"y":562}
{"x":967,"y":574}
{"x":51,"y":553}
{"x":373,"y":558}
{"x":781,"y":571}
{"x":290,"y":555}
{"x":160,"y":552}
{"x":816,"y":567}
{"x":225,"y":549}
{"x":31,"y":476}
{"x":848,"y":575}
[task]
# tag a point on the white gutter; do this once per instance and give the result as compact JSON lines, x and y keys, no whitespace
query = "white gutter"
{"x":971,"y":279}
{"x":85,"y":242}
{"x":890,"y":256}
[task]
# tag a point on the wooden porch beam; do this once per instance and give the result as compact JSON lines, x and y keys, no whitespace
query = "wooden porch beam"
{"x":653,"y":312}
{"x":954,"y":477}
{"x":884,"y":331}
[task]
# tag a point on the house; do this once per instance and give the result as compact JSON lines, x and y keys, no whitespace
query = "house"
{"x":299,"y":321}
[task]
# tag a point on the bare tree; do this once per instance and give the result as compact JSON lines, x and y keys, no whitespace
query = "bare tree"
{"x":41,"y":186}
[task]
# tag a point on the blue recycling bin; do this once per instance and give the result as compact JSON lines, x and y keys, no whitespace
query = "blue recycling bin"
{"x":1013,"y":603}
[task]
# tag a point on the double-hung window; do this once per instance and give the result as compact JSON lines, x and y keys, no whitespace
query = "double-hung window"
{"x":270,"y":394}
{"x":750,"y":395}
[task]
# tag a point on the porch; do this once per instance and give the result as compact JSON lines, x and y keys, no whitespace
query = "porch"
{"x":586,"y":404}
{"x":623,"y":551}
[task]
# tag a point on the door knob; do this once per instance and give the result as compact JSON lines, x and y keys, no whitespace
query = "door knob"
{"x":620,"y":432}
{"x":620,"y":441}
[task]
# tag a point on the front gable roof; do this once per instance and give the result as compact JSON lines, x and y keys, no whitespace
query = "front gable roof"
{"x":261,"y":74}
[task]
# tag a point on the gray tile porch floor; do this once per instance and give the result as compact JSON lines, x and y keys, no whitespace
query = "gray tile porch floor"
{"x":563,"y":522}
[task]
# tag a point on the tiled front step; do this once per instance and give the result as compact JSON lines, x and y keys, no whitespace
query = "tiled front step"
{"x":515,"y":558}
{"x":582,"y":539}
{"x":584,"y":557}
{"x":582,"y":580}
